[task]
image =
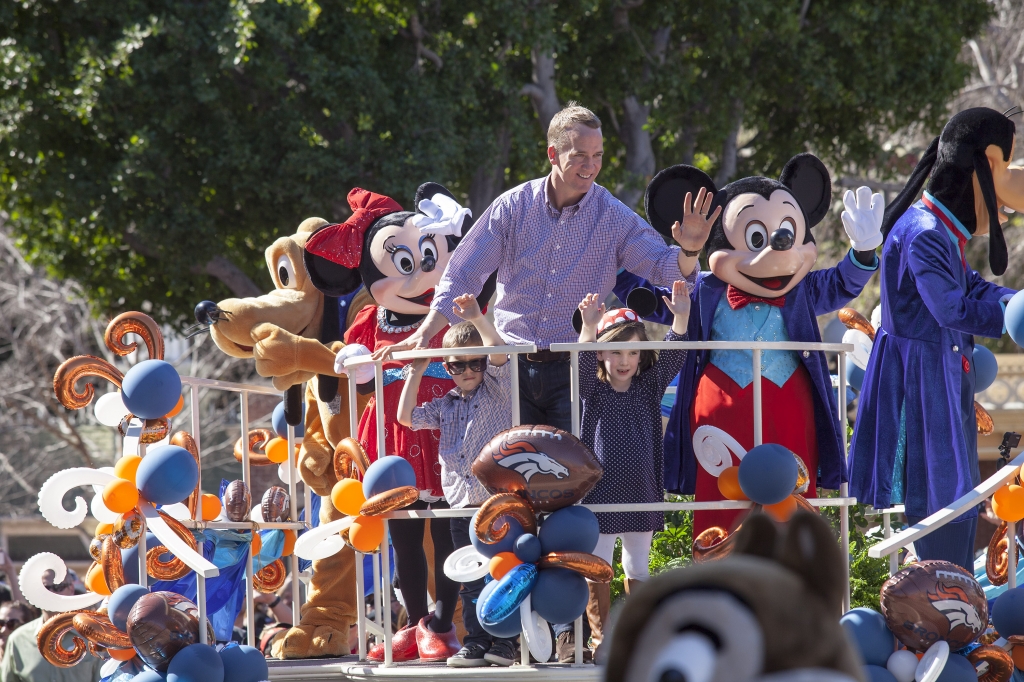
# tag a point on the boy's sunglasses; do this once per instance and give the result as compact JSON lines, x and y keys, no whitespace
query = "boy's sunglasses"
{"x":456,"y":368}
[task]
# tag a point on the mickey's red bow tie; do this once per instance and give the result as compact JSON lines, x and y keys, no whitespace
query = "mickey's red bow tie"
{"x":737,"y":299}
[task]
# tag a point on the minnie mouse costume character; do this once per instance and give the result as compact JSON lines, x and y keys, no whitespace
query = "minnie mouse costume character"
{"x":760,"y":288}
{"x":916,"y":436}
{"x":399,"y":256}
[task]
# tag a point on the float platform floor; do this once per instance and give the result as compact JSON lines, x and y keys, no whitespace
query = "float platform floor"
{"x":350,"y":668}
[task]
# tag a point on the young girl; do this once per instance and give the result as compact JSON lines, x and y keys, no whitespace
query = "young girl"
{"x":621,"y":392}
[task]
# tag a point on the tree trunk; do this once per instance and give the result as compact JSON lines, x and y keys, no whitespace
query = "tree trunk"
{"x":639,"y":151}
{"x":542,"y":90}
{"x":489,"y":178}
{"x":727,"y":167}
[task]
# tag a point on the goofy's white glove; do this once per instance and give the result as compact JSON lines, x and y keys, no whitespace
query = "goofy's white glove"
{"x":862,"y":218}
{"x":361,"y":373}
{"x":441,"y":215}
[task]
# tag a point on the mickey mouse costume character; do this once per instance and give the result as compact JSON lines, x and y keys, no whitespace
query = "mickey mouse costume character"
{"x":399,"y":256}
{"x":916,"y":436}
{"x":761,"y":288}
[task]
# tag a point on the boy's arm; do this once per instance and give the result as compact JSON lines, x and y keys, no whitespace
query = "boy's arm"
{"x":409,"y":392}
{"x":489,"y":335}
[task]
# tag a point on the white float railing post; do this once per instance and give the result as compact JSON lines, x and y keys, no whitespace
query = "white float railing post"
{"x":378,"y":392}
{"x":143,"y":573}
{"x":385,"y":561}
{"x":198,"y":516}
{"x":353,"y":412}
{"x":758,"y":421}
{"x":514,"y":370}
{"x":886,"y":534}
{"x":378,"y":613}
{"x":844,"y":488}
{"x":360,"y":604}
{"x":250,"y":615}
{"x":574,"y":387}
{"x":293,"y":560}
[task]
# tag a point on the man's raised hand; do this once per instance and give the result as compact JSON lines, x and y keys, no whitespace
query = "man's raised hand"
{"x":467,"y":307}
{"x":692,"y":233}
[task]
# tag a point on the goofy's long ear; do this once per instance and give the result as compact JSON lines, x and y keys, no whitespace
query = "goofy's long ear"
{"x":997,"y":258}
{"x":808,"y":180}
{"x":908,"y":195}
{"x":663,"y":200}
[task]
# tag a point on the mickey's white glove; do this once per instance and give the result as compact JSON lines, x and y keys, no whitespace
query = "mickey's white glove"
{"x":862,"y":218}
{"x":361,"y":373}
{"x":441,"y":215}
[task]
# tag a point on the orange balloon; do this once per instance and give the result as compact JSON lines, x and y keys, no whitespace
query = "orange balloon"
{"x":781,"y":511}
{"x":174,"y":413}
{"x":126,"y":467}
{"x":1008,"y":503}
{"x":104,"y":529}
{"x":366,"y":533}
{"x":502,"y":563}
{"x":120,"y":496}
{"x":729,"y":484}
{"x":95,"y":582}
{"x":277,"y":450}
{"x":257,"y":543}
{"x":121,"y":654}
{"x":211,"y":507}
{"x":289,"y":543}
{"x":347,"y":496}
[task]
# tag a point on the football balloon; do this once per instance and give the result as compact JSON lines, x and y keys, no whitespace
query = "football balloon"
{"x":549,"y":467}
{"x":933,"y":601}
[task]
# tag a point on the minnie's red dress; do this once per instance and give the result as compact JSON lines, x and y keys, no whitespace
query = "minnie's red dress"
{"x":419,"y":448}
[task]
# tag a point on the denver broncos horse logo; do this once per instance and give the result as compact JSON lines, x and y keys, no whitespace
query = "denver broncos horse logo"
{"x":953,"y":603}
{"x":526,"y":460}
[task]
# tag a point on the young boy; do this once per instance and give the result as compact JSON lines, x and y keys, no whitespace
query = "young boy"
{"x":476,"y":410}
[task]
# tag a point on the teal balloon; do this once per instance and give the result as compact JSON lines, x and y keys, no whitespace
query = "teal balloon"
{"x":151,"y":389}
{"x":869,"y":631}
{"x":560,"y":595}
{"x":1014,"y":318}
{"x":243,"y":664}
{"x":387,"y":473}
{"x":510,"y":627}
{"x":527,"y":548}
{"x":196,"y":663}
{"x":570,"y":529}
{"x":504,"y":600}
{"x":281,"y":426}
{"x":167,"y":474}
{"x":985,"y":368}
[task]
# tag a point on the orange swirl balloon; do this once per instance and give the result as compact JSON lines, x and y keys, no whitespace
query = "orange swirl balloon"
{"x":258,"y":439}
{"x":997,"y":564}
{"x":110,"y":562}
{"x":496,"y":506}
{"x":1000,"y":663}
{"x":349,"y":457}
{"x":184,"y":439}
{"x":712,"y":544}
{"x":175,"y":568}
{"x":854,"y":320}
{"x":97,"y":628}
{"x":390,"y":500}
{"x":134,"y":322}
{"x":49,"y":640}
{"x":593,"y":568}
{"x":270,"y":578}
{"x":97,"y":651}
{"x":985,"y":423}
{"x":78,"y":367}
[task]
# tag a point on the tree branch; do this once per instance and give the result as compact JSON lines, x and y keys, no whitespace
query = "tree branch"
{"x":231,"y":276}
{"x":542,"y":90}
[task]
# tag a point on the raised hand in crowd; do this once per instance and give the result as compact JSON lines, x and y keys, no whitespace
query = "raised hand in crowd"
{"x":693,"y":232}
{"x":679,"y":305}
{"x":591,"y":309}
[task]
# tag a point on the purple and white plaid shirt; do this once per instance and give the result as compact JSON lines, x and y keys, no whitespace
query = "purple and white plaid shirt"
{"x":548,"y":260}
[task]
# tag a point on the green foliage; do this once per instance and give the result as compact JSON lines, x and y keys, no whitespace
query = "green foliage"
{"x":147,"y":144}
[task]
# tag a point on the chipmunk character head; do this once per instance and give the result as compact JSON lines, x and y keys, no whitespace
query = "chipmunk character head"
{"x":767,"y":612}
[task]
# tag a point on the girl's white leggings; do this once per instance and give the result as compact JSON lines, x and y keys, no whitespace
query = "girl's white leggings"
{"x":636,"y":551}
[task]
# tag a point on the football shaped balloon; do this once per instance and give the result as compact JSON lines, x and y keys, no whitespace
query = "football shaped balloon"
{"x":931,"y":601}
{"x":160,"y":625}
{"x":549,"y":467}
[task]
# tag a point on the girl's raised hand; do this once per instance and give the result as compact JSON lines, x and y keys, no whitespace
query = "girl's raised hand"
{"x":467,"y":307}
{"x":591,"y":309}
{"x":679,"y":304}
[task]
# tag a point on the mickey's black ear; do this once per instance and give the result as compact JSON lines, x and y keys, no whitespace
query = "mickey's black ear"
{"x":427,"y":190}
{"x":642,"y":301}
{"x":577,"y":320}
{"x":663,"y":200}
{"x":330,"y":278}
{"x":808,"y":180}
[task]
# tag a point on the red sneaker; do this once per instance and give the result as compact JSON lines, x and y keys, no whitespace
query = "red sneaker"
{"x":403,"y":647}
{"x":435,"y":646}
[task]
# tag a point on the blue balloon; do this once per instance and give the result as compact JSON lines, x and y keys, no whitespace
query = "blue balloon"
{"x":560,"y":595}
{"x":151,"y":389}
{"x":506,"y":544}
{"x":877,"y":673}
{"x":1008,"y":613}
{"x":196,"y":663}
{"x":281,"y":426}
{"x":986,"y":367}
{"x":867,"y":628}
{"x":243,"y":664}
{"x":1014,"y":318}
{"x":958,"y":669}
{"x":387,"y":473}
{"x":149,"y":675}
{"x":854,"y":375}
{"x":504,"y":600}
{"x":167,"y":474}
{"x":510,"y":627}
{"x":571,"y":529}
{"x":768,"y":473}
{"x":527,"y":548}
{"x":122,"y":601}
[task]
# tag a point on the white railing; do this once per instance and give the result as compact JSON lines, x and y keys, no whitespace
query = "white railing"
{"x":381,"y":625}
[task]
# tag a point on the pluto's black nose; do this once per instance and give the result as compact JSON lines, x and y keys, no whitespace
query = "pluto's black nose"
{"x":208,"y":313}
{"x":782,"y":239}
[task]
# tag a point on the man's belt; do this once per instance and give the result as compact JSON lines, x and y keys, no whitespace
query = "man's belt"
{"x":545,"y":356}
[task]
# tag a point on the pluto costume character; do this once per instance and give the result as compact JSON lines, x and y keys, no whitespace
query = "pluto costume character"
{"x":293,"y":334}
{"x":768,"y":611}
{"x":915,"y":440}
{"x":760,"y":288}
